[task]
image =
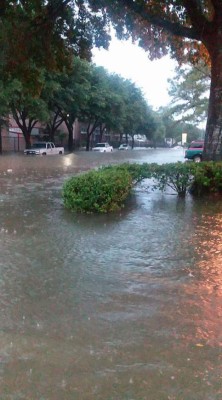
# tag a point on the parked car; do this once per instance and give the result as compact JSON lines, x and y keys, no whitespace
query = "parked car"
{"x":103,"y":147}
{"x":44,"y":148}
{"x":195,"y":151}
{"x":124,"y":146}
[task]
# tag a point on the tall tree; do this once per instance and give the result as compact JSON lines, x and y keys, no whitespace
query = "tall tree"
{"x":138,"y":117}
{"x":189,"y":92}
{"x":27,"y":110}
{"x":188,"y":29}
{"x":93,"y":113}
{"x":4,"y":110}
{"x":113,"y":114}
{"x":69,"y":91}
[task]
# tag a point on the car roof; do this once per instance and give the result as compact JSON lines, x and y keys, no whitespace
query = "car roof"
{"x":196,"y":143}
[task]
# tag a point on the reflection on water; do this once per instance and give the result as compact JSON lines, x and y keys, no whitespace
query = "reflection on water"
{"x":208,"y":273}
{"x":125,"y":306}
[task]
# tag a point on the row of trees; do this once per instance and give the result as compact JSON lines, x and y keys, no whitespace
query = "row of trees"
{"x":38,"y":40}
{"x":40,"y":37}
{"x":101,"y":100}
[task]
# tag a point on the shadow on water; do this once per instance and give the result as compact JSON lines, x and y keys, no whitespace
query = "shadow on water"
{"x":121,"y":306}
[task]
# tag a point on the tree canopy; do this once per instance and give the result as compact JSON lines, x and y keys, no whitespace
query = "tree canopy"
{"x":38,"y":35}
{"x":86,"y":92}
{"x":188,"y":30}
{"x":180,"y":27}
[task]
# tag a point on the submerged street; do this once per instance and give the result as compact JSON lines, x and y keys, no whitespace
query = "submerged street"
{"x":107,"y":307}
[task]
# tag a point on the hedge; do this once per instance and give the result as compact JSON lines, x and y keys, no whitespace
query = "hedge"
{"x":106,"y":189}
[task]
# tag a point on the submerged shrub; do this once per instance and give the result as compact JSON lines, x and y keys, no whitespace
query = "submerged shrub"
{"x":133,"y":169}
{"x":106,"y":189}
{"x":207,"y":178}
{"x":195,"y":178}
{"x":138,"y":172}
{"x":97,"y":191}
{"x":178,"y":176}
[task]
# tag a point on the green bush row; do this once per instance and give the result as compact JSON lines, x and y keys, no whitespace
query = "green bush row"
{"x":106,"y":190}
{"x":195,"y":178}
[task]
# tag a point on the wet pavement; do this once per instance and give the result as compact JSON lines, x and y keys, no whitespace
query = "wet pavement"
{"x":107,"y":307}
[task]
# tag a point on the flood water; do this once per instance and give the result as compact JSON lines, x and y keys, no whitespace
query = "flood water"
{"x":125,"y":306}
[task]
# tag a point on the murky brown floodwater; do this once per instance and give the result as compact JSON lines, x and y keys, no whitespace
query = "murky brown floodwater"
{"x":125,"y":306}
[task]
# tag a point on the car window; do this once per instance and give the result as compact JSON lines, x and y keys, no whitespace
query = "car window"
{"x":196,"y":146}
{"x":100,"y":145}
{"x":38,"y":145}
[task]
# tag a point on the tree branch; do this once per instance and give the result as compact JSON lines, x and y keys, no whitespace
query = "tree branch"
{"x":195,"y":11}
{"x":217,"y":4}
{"x":17,"y":117}
{"x":55,"y":7}
{"x":59,"y":122}
{"x":2,"y":7}
{"x":173,"y":27}
{"x":193,"y":8}
{"x":33,"y":123}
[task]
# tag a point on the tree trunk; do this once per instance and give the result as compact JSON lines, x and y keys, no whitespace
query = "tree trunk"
{"x":26,"y":130}
{"x":100,"y":133}
{"x":70,"y":140}
{"x":89,"y":132}
{"x":50,"y":130}
{"x":102,"y":128}
{"x":213,"y":136}
{"x":26,"y":125}
{"x":27,"y":136}
{"x":0,"y":138}
{"x":53,"y":125}
{"x":87,"y":141}
{"x":69,"y":125}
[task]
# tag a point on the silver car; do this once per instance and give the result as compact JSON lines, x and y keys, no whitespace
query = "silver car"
{"x":124,"y":146}
{"x":103,"y":148}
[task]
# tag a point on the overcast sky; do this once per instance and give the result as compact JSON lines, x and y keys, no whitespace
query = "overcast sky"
{"x":131,"y":62}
